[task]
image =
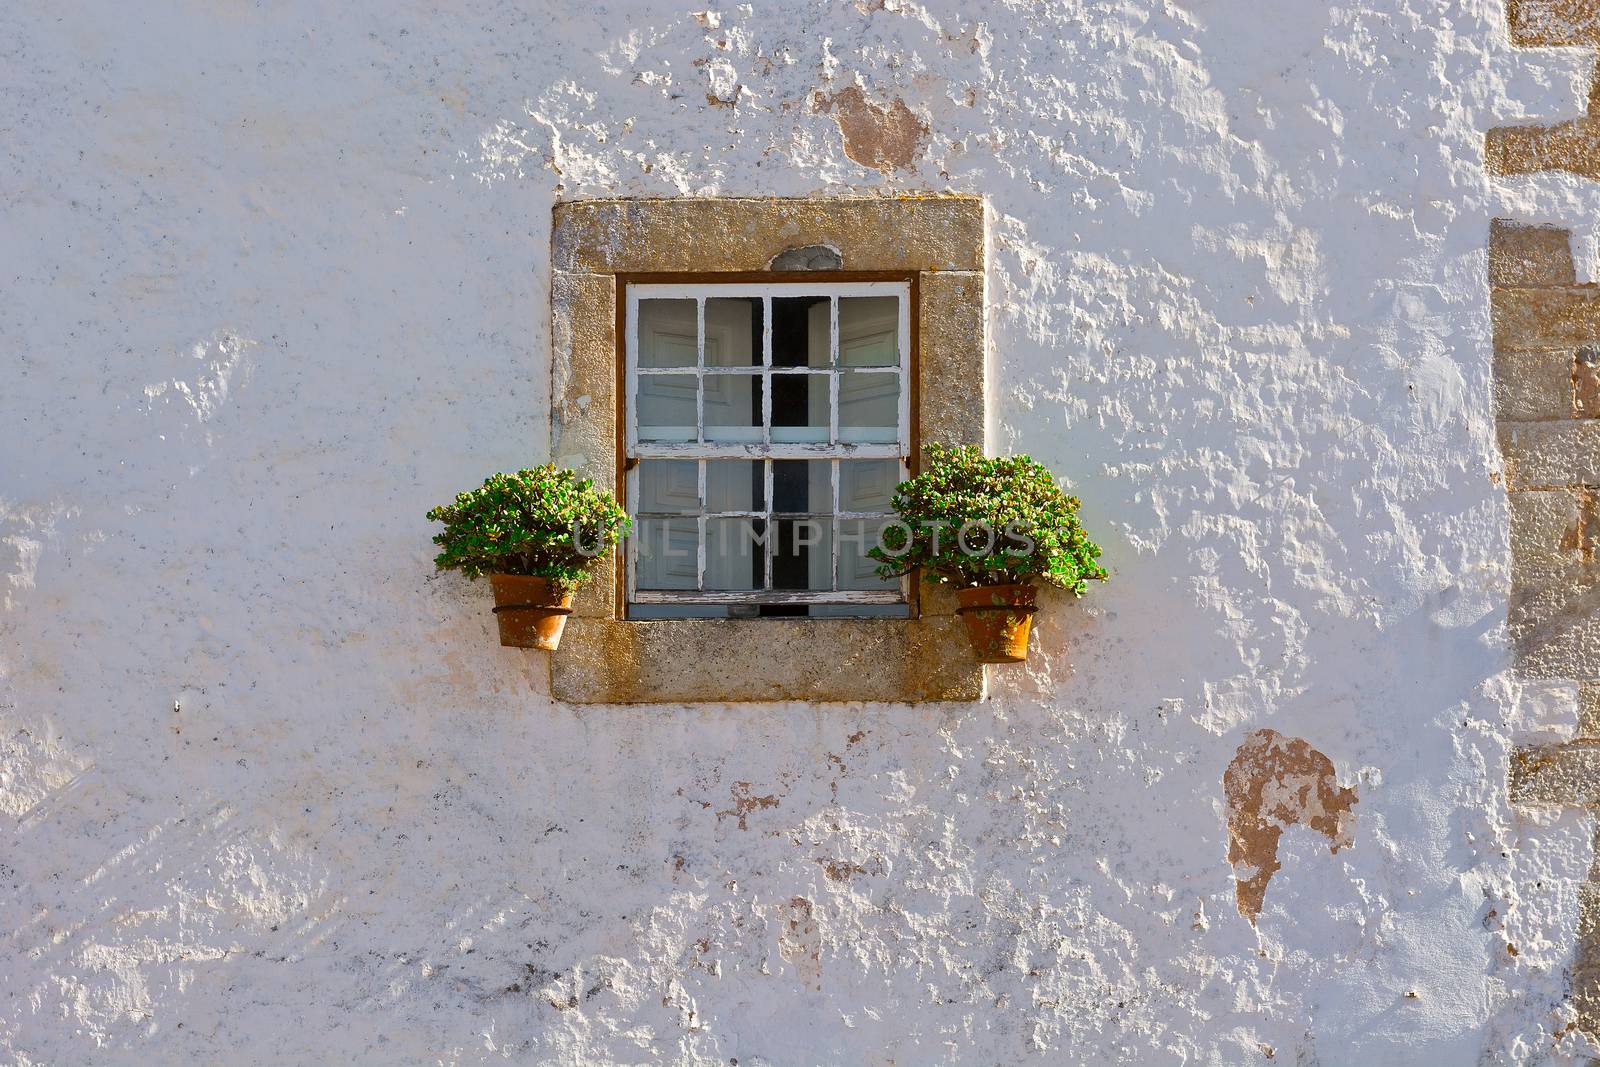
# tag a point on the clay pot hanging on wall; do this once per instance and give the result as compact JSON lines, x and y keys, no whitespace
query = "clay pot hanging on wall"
{"x":529,"y":612}
{"x":998,"y":619}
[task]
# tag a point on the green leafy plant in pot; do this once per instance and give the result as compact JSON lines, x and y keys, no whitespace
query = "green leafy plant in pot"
{"x":992,"y":529}
{"x":538,"y":534}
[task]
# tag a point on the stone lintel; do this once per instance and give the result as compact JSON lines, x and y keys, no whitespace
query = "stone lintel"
{"x":696,"y":234}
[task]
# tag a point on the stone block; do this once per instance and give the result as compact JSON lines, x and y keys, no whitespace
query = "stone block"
{"x":1541,"y":455}
{"x":584,"y":369}
{"x":1522,"y":255}
{"x":1556,"y":774}
{"x":1585,"y":976}
{"x":1572,"y":146}
{"x":951,"y":381}
{"x":597,"y":598}
{"x":1547,"y":526}
{"x":1554,"y":620}
{"x":1527,"y":319}
{"x":1544,"y":23}
{"x":1533,"y":386}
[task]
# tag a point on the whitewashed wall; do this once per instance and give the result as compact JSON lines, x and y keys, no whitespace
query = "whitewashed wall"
{"x":275,"y":280}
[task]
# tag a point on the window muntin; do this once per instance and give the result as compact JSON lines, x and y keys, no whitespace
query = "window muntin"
{"x":766,"y":425}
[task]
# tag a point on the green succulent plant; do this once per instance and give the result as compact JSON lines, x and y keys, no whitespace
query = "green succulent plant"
{"x":1020,"y":527}
{"x":545,"y":522}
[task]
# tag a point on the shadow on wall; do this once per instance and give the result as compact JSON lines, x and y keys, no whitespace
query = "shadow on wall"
{"x":126,"y":930}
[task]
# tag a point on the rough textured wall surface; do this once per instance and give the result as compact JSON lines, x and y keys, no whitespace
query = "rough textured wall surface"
{"x":277,"y":279}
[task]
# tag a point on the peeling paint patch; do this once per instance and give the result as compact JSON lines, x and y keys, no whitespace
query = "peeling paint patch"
{"x":744,"y":803}
{"x":799,"y":942}
{"x":1273,"y":783}
{"x":884,"y":138}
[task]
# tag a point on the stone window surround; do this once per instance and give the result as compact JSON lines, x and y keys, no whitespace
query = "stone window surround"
{"x":599,"y":246}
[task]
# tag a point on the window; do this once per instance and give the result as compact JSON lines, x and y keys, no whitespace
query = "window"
{"x":694,"y":370}
{"x":767,"y":425}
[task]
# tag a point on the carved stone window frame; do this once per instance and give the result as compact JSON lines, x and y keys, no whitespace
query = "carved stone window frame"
{"x":938,"y":242}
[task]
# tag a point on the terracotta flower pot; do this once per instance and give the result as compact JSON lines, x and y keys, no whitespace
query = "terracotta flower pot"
{"x":998,"y":619}
{"x":528,"y":611}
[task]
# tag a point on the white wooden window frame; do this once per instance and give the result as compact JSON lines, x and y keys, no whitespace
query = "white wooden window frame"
{"x":766,"y":450}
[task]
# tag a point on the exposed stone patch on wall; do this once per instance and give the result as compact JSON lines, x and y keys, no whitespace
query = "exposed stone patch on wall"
{"x":1273,"y":783}
{"x":1545,"y":327}
{"x":884,"y":138}
{"x":1543,"y":23}
{"x":799,"y":942}
{"x":1529,"y":255}
{"x":1546,"y":418}
{"x":1547,"y":410}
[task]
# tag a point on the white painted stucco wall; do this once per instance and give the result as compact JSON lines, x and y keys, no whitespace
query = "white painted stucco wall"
{"x":275,"y":280}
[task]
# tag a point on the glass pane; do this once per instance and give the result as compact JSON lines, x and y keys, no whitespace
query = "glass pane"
{"x":800,"y":331}
{"x":735,"y":485}
{"x":856,"y":569}
{"x":666,"y":333}
{"x":671,"y":486}
{"x":802,"y":486}
{"x":799,"y":408}
{"x":868,"y":484}
{"x":869,"y":406}
{"x":733,"y":331}
{"x":733,"y":407}
{"x":803,"y":555}
{"x":869,"y":331}
{"x":667,"y":556}
{"x":735,"y":554}
{"x":666,"y":407}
